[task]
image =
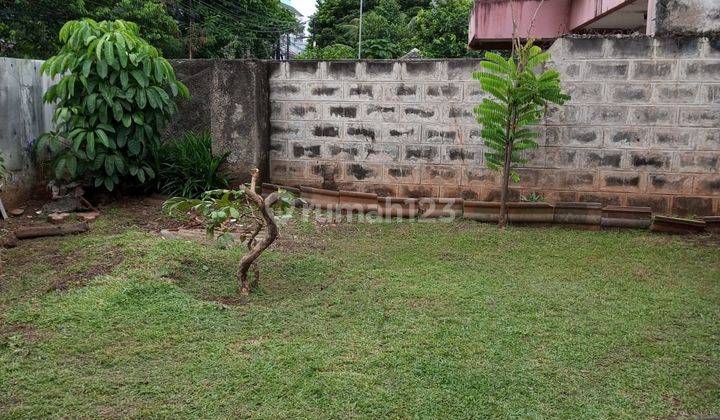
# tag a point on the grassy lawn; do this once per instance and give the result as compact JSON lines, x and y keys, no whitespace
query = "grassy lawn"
{"x":381,"y":320}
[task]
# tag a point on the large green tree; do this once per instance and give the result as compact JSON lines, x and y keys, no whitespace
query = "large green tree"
{"x":29,"y":28}
{"x":441,"y":31}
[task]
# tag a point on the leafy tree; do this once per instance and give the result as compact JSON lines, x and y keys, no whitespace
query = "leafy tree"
{"x":113,"y":100}
{"x":220,"y":210}
{"x":29,"y":28}
{"x":332,"y":22}
{"x":520,"y":92}
{"x":331,"y":52}
{"x":441,"y":31}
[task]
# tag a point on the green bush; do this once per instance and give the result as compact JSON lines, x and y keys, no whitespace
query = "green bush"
{"x":187,"y":166}
{"x":332,"y":52}
{"x":113,"y":100}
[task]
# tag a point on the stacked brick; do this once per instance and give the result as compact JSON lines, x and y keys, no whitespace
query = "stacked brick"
{"x":642,"y":129}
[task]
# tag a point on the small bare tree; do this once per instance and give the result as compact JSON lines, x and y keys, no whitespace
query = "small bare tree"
{"x":225,"y":210}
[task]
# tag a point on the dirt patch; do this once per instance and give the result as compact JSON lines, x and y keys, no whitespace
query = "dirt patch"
{"x":114,"y":258}
{"x":26,"y":331}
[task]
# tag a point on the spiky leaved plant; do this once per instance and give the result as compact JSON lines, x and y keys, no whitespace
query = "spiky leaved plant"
{"x":519,"y":98}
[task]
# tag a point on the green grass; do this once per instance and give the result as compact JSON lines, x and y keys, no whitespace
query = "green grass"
{"x":382,"y":320}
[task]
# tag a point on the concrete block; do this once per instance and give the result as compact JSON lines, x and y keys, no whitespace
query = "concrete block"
{"x":606,"y":199}
{"x":685,"y":93}
{"x":420,"y":70}
{"x":692,"y":206}
{"x":404,"y":174}
{"x":303,"y":110}
{"x":277,"y":70}
{"x":568,"y":70}
{"x":584,"y":213}
{"x":440,"y":175}
{"x":417,"y":191}
{"x":461,"y":155}
{"x":707,"y":184}
{"x":700,"y":117}
{"x":278,"y":149}
{"x":476,"y":175}
{"x":654,"y":115}
{"x":345,"y":151}
{"x":471,"y":135}
{"x":583,"y":48}
{"x":632,"y":47}
{"x":677,"y":47}
{"x":381,"y":189}
{"x":283,"y":90}
{"x":473,"y":94}
{"x":341,"y":112}
{"x":362,"y":92}
{"x":701,"y":70}
{"x":305,"y":150}
{"x":362,"y":131}
{"x":419,"y":113}
{"x":711,"y":94}
{"x":584,"y":92}
{"x":414,"y":153}
{"x":382,"y":152}
{"x":443,"y":92}
{"x":654,"y":70}
{"x":287,"y":169}
{"x":380,"y":112}
{"x":708,"y":139}
{"x":604,"y":159}
{"x":463,"y":192}
{"x":323,"y":131}
{"x":626,"y":217}
{"x":402,"y":92}
{"x":325,"y":174}
{"x":563,"y":115}
{"x":440,"y":134}
{"x":669,"y":183}
{"x":669,"y":138}
{"x":458,"y":114}
{"x":711,"y":47}
{"x":380,"y":70}
{"x":700,"y":162}
{"x":606,"y":70}
{"x":620,"y":181}
{"x":535,"y":157}
{"x":287,"y":130}
{"x":341,"y":70}
{"x":626,"y":137}
{"x":462,"y":68}
{"x":580,"y":180}
{"x":575,"y":136}
{"x":657,"y":203}
{"x":643,"y":160}
{"x":363,"y":172}
{"x":431,"y":208}
{"x":557,"y":157}
{"x":607,"y":115}
{"x":325,"y":91}
{"x":303,"y":70}
{"x":630,"y":93}
{"x":403,"y":133}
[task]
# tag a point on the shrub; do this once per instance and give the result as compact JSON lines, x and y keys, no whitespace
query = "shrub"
{"x":187,"y":166}
{"x":519,"y":97}
{"x":113,"y":101}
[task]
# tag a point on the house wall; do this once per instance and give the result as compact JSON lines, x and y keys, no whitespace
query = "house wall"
{"x":23,"y":118}
{"x":643,"y":127}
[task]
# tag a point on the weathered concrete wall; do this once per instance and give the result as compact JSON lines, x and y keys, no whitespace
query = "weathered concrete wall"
{"x":643,"y":127}
{"x":23,"y":118}
{"x":687,"y":17}
{"x":229,"y":98}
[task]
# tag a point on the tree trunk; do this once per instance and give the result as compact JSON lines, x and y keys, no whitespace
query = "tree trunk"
{"x":248,"y":260}
{"x":502,"y":221}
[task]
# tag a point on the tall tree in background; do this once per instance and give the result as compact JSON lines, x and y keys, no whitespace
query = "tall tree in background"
{"x":210,"y":28}
{"x":441,"y":31}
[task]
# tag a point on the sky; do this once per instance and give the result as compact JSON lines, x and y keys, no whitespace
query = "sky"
{"x":306,"y":7}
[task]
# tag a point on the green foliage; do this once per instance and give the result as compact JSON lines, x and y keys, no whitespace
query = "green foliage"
{"x":520,"y":96}
{"x":114,"y":96}
{"x":187,"y":166}
{"x":332,"y":52}
{"x":30,"y":27}
{"x":533,"y":197}
{"x":441,"y":31}
{"x":220,"y":209}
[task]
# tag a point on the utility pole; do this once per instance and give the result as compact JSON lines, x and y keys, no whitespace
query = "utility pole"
{"x":287,"y":46}
{"x":192,"y":31}
{"x":360,"y":30}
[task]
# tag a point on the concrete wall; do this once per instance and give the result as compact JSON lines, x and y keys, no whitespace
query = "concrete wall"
{"x":23,"y":118}
{"x":229,"y":98}
{"x":687,"y":17}
{"x":643,"y":127}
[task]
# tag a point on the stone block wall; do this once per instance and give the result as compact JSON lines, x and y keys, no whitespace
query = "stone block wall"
{"x":23,"y":118}
{"x":643,"y":127}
